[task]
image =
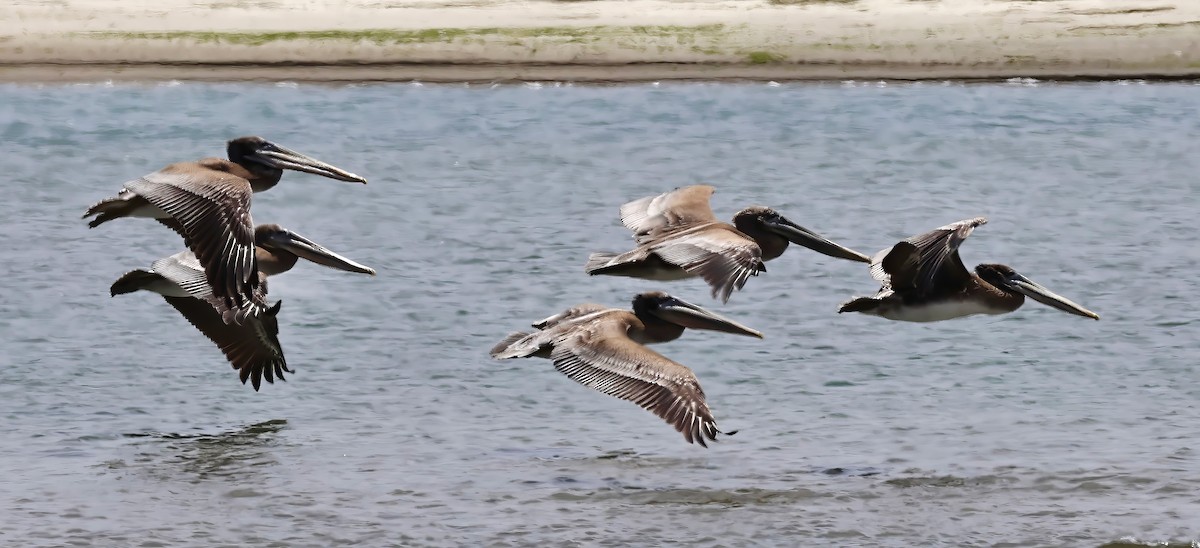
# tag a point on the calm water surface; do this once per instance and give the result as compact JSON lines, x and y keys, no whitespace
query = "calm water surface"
{"x":123,"y":426}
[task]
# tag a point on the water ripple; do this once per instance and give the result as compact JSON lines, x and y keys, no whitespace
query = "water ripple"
{"x":1031,"y":429}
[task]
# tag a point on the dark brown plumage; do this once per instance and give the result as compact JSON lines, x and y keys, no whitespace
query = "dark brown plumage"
{"x":923,"y":279}
{"x":251,"y":344}
{"x":252,"y":348}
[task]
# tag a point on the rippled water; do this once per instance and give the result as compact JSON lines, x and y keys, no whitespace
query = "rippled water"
{"x":124,"y":426}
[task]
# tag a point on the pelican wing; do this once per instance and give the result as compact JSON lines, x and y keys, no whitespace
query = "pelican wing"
{"x":178,"y":227}
{"x":722,"y":256}
{"x":897,"y":267}
{"x":252,"y":348}
{"x":570,"y":314}
{"x":681,"y":207}
{"x":184,"y":269}
{"x":213,"y":208}
{"x":927,"y":261}
{"x":504,"y":349}
{"x":601,"y":356}
{"x":550,"y":330}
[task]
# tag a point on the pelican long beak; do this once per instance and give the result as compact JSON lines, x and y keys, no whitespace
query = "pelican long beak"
{"x":307,"y":249}
{"x":1042,"y":295}
{"x":279,"y":157}
{"x":686,"y":314}
{"x":816,"y":242}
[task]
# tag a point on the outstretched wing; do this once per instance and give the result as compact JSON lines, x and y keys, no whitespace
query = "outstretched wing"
{"x":185,"y":270}
{"x":926,"y":261}
{"x":252,"y":348}
{"x":549,"y":330}
{"x":213,"y":209}
{"x":570,"y":314}
{"x":681,"y":207}
{"x":722,"y":256}
{"x":601,"y":356}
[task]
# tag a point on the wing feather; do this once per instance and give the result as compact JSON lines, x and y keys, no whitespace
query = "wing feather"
{"x":926,"y":262}
{"x":212,"y":209}
{"x":549,"y":330}
{"x":681,"y":207}
{"x":570,"y":314}
{"x":720,"y":255}
{"x":252,"y":348}
{"x":601,"y":356}
{"x":184,"y":269}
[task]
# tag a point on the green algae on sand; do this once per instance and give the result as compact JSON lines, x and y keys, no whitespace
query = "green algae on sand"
{"x":681,"y":34}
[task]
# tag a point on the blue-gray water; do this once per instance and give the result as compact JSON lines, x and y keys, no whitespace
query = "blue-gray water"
{"x":123,"y":426}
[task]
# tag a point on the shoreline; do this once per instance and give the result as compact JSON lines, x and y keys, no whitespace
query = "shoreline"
{"x":600,"y":41}
{"x":576,"y":74}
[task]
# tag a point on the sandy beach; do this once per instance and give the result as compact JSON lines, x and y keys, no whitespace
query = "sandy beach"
{"x":596,"y":41}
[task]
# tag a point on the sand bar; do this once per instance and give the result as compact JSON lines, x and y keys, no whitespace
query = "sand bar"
{"x":599,"y":40}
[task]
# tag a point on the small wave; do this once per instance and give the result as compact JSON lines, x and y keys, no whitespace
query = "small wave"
{"x":850,"y":472}
{"x":104,"y":84}
{"x":722,"y":497}
{"x":1131,"y":542}
{"x":1029,"y":82}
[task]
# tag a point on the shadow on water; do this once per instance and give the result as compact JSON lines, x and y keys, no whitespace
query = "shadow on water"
{"x":633,"y":459}
{"x":949,"y":481}
{"x":620,"y":480}
{"x":232,"y":454}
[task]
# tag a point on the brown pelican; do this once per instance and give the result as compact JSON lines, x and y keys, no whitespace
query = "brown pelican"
{"x":678,"y":237}
{"x":253,"y":346}
{"x":924,"y":280}
{"x":208,"y":203}
{"x":602,"y":348}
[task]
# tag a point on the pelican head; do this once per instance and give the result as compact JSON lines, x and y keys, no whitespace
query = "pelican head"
{"x":262,"y":156}
{"x":286,"y":246}
{"x":771,"y":221}
{"x":1006,"y":278}
{"x":685,"y":314}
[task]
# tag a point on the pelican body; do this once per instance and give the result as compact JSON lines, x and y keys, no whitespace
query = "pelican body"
{"x":604,"y":348}
{"x":924,"y":280}
{"x":678,"y":237}
{"x":251,"y":345}
{"x":208,"y":203}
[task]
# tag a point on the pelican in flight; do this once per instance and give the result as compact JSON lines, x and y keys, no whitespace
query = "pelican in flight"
{"x":678,"y":237}
{"x":251,"y":346}
{"x":603,"y":348}
{"x":208,"y":203}
{"x":924,"y":280}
